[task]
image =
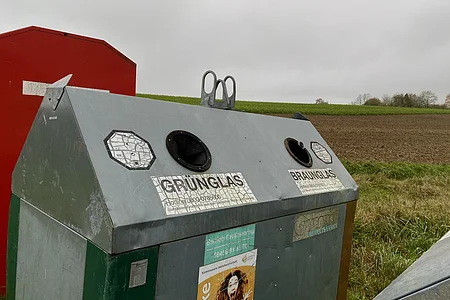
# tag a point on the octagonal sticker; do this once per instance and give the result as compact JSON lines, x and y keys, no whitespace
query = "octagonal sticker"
{"x":321,"y":152}
{"x":130,"y":150}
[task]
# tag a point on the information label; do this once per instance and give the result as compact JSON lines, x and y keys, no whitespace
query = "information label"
{"x":314,"y":181}
{"x":312,"y":224}
{"x":138,"y":273}
{"x":191,"y":193}
{"x":228,"y":243}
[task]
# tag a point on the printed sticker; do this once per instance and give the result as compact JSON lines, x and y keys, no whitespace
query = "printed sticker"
{"x":309,"y":225}
{"x":228,"y":243}
{"x":313,"y":181}
{"x":321,"y":152}
{"x":138,"y":273}
{"x":129,"y":150}
{"x":232,"y":278}
{"x":191,"y":193}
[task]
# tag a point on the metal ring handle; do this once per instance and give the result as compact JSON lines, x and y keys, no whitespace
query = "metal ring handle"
{"x":204,"y":81}
{"x":234,"y":85}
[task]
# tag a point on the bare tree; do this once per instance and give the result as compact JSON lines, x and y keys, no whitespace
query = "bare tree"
{"x":361,"y":99}
{"x":447,"y":101}
{"x":386,"y":99}
{"x":427,"y":98}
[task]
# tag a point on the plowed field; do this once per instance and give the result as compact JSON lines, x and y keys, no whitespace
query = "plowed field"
{"x":387,"y":138}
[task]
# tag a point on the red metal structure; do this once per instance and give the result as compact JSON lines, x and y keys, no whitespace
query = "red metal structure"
{"x":32,"y":56}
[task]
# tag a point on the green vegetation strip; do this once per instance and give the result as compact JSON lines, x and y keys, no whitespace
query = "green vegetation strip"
{"x":401,"y":213}
{"x":307,"y":109}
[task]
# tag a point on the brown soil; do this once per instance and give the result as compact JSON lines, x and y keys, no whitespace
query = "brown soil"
{"x":410,"y":138}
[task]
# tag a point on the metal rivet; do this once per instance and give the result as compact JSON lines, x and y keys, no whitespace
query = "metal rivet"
{"x":281,"y":229}
{"x":278,"y":257}
{"x":275,"y":285}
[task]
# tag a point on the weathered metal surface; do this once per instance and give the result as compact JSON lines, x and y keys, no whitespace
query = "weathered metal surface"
{"x":50,"y":258}
{"x":304,"y":269}
{"x":424,"y":276}
{"x":72,"y":146}
{"x":438,"y":291}
{"x":54,"y":173}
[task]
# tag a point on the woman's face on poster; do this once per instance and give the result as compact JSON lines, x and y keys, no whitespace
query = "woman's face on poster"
{"x":233,"y":286}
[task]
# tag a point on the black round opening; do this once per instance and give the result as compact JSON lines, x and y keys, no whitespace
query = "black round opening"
{"x":298,"y":151}
{"x":188,"y":150}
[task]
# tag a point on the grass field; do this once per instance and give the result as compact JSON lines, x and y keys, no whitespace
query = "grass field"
{"x":307,"y":109}
{"x":402,"y":211}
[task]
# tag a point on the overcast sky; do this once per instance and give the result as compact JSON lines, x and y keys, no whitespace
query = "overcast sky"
{"x":292,"y":51}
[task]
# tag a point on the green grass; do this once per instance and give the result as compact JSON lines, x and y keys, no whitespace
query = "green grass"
{"x":402,"y":211}
{"x":307,"y":109}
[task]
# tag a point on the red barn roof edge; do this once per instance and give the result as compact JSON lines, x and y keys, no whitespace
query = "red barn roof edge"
{"x":72,"y":35}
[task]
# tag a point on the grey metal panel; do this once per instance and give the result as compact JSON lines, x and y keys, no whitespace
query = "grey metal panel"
{"x":54,"y":173}
{"x":432,"y":267}
{"x":239,"y":142}
{"x":306,"y":269}
{"x":438,"y":291}
{"x":50,"y":258}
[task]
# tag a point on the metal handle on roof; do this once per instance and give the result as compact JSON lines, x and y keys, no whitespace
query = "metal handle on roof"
{"x":56,"y":90}
{"x":209,"y":99}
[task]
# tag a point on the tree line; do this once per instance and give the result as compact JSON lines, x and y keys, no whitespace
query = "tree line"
{"x":426,"y":99}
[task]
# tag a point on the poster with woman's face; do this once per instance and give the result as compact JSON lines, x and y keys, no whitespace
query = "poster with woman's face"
{"x":229,"y":279}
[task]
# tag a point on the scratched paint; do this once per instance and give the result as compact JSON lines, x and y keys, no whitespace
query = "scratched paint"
{"x":96,"y":212}
{"x":58,"y":273}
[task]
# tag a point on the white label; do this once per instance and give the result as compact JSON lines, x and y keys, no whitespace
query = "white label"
{"x":138,"y":273}
{"x":309,"y":225}
{"x":32,"y":88}
{"x":191,"y":193}
{"x":247,"y":259}
{"x":314,"y":181}
{"x":321,"y":152}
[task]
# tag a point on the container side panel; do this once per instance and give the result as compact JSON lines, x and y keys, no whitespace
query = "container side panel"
{"x":13,"y":240}
{"x":50,"y":258}
{"x":178,"y":267}
{"x":95,"y":273}
{"x":306,"y":267}
{"x":132,"y":275}
{"x":129,"y":276}
{"x":297,"y":257}
{"x":54,"y":174}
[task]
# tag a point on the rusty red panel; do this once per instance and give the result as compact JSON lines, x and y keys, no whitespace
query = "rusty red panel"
{"x":42,"y":55}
